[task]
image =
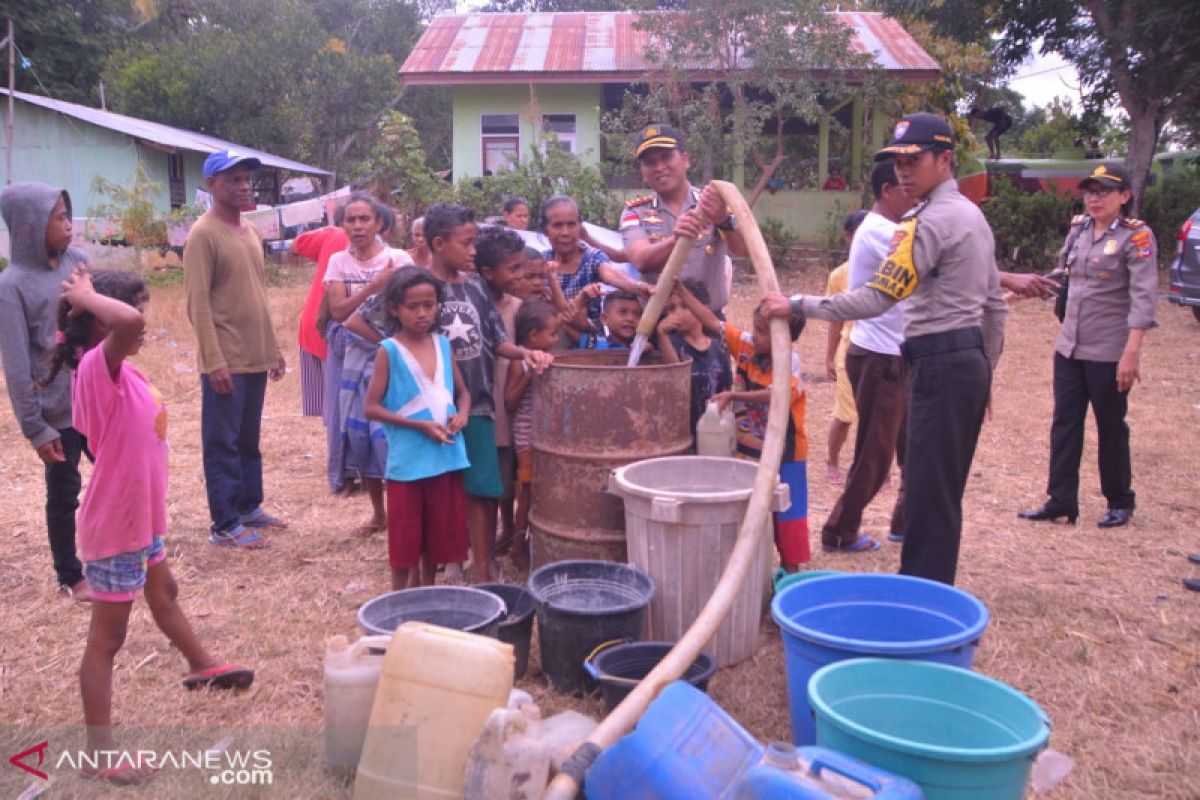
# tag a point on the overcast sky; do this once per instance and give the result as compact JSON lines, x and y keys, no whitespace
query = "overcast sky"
{"x":1043,"y":78}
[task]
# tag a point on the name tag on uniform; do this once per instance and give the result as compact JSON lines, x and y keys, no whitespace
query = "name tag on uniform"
{"x":1111,"y":247}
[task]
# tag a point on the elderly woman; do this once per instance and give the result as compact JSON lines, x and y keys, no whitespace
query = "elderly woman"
{"x":1110,"y":261}
{"x":578,"y":264}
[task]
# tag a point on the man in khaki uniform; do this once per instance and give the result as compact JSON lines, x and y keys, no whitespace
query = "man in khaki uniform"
{"x":1113,"y":271}
{"x":942,"y":260}
{"x":651,"y":224}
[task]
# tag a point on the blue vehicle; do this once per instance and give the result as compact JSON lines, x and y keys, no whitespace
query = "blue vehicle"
{"x":1184,"y":275}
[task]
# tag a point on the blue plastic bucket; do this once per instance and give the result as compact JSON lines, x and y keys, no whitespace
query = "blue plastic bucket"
{"x":840,"y":617}
{"x":957,"y":734}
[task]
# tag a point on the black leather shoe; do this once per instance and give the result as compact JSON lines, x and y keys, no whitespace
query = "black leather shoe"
{"x":1115,"y":518}
{"x":1049,"y":512}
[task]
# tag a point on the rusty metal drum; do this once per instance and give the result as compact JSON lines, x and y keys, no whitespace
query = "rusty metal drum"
{"x":592,"y":414}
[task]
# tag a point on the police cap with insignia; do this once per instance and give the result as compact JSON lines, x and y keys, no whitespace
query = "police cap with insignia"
{"x":1112,"y":177}
{"x":917,"y":133}
{"x":653,"y":136}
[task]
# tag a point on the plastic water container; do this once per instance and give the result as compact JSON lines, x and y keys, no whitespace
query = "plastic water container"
{"x":839,"y":617}
{"x":957,"y":734}
{"x":682,"y":516}
{"x":684,"y":747}
{"x":436,"y":690}
{"x":817,"y":773}
{"x":716,"y":433}
{"x":582,"y":604}
{"x":351,"y":676}
{"x":459,"y":607}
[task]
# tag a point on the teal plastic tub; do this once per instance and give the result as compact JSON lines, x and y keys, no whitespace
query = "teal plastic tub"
{"x":783,"y":579}
{"x":959,"y":735}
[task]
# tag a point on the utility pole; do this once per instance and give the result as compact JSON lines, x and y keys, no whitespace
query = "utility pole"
{"x":12,"y":87}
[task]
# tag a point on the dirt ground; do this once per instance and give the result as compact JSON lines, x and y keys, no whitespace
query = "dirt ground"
{"x":1094,"y":625}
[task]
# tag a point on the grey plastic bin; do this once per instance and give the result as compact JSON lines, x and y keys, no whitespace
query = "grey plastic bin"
{"x":682,"y":516}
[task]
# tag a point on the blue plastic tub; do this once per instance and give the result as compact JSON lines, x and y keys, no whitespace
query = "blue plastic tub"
{"x":957,"y":734}
{"x":684,"y":747}
{"x":825,"y":620}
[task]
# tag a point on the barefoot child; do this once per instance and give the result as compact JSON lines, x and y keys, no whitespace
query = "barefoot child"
{"x":412,"y":394}
{"x":680,"y":335}
{"x":751,"y":351}
{"x":123,"y":517}
{"x":537,"y":329}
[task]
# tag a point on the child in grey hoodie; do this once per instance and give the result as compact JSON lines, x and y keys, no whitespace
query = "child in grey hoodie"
{"x":38,"y":218}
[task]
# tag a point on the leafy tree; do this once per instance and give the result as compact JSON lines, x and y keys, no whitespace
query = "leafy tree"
{"x":766,"y":61}
{"x":1029,"y":228}
{"x":1054,"y":128}
{"x":397,"y":168}
{"x":1142,"y":54}
{"x":66,"y":43}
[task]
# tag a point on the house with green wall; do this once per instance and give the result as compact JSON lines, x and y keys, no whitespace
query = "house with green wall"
{"x":69,"y":145}
{"x":515,"y":78}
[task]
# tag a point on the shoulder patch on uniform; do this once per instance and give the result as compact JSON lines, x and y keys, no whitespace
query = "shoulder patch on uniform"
{"x":1130,"y":222}
{"x":629,"y":219}
{"x":639,"y":201}
{"x":897,"y":275}
{"x":1079,"y":219}
{"x":1143,"y":242}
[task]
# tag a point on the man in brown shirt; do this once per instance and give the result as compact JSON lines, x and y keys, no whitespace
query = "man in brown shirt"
{"x":225,"y":279}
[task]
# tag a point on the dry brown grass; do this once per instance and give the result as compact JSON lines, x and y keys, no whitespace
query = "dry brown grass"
{"x":1092,"y":624}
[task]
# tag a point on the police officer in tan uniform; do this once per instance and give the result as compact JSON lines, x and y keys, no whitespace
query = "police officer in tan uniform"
{"x":1113,"y":285}
{"x":651,"y":224}
{"x":942,"y":260}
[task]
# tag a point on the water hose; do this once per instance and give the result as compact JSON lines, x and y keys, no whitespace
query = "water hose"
{"x":745,"y":556}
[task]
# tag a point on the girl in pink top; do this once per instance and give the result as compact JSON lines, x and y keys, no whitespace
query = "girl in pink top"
{"x":123,"y":516}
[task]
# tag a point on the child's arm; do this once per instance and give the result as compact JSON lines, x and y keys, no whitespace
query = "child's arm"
{"x":359,"y":327}
{"x":462,"y":402}
{"x":709,"y":321}
{"x":665,"y":346}
{"x":374,"y":409}
{"x":537,"y":360}
{"x":755,"y":397}
{"x":517,"y":380}
{"x":832,"y":340}
{"x":124,"y":322}
{"x":615,"y":277}
{"x":557,"y":298}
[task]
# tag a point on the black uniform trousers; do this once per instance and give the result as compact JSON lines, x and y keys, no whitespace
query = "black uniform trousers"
{"x":1076,"y":384}
{"x":63,"y":483}
{"x":949,"y":379}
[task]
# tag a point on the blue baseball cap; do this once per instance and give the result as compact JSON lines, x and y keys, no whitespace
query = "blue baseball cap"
{"x":223,"y":160}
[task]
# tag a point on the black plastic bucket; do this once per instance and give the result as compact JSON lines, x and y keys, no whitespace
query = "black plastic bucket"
{"x":582,"y":604}
{"x":458,"y":607}
{"x":621,"y":667}
{"x":517,"y":628}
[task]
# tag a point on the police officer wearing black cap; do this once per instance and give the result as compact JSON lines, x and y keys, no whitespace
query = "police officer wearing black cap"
{"x":942,"y":260}
{"x":651,"y":224}
{"x":1113,"y":286}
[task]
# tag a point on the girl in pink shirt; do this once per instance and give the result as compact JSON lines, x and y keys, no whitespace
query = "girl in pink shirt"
{"x":123,"y":516}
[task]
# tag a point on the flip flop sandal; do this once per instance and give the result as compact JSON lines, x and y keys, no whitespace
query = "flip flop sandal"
{"x":123,"y":775}
{"x":239,"y":537}
{"x":261,"y":519}
{"x":1194,"y":558}
{"x":1192,"y":584}
{"x":898,"y":538}
{"x":864,"y":544}
{"x":223,"y":676}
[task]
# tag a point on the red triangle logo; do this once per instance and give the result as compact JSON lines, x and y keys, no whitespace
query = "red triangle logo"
{"x":40,"y":749}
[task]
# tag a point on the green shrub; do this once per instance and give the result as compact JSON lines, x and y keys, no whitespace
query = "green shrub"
{"x":1166,"y":206}
{"x":1029,"y":228}
{"x":779,"y":239}
{"x":537,"y":177}
{"x":3,"y":263}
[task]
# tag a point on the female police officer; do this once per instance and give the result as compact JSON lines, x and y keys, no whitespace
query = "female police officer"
{"x":1110,"y":260}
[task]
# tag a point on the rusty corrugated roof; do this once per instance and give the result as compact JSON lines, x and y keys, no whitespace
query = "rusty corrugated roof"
{"x":599,"y":47}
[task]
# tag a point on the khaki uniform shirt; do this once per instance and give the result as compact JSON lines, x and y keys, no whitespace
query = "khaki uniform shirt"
{"x":943,"y":261}
{"x":648,"y":219}
{"x":1113,"y":287}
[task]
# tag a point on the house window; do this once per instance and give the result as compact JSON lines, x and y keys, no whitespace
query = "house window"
{"x":559,"y":130}
{"x":501,"y":139}
{"x":175,"y":182}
